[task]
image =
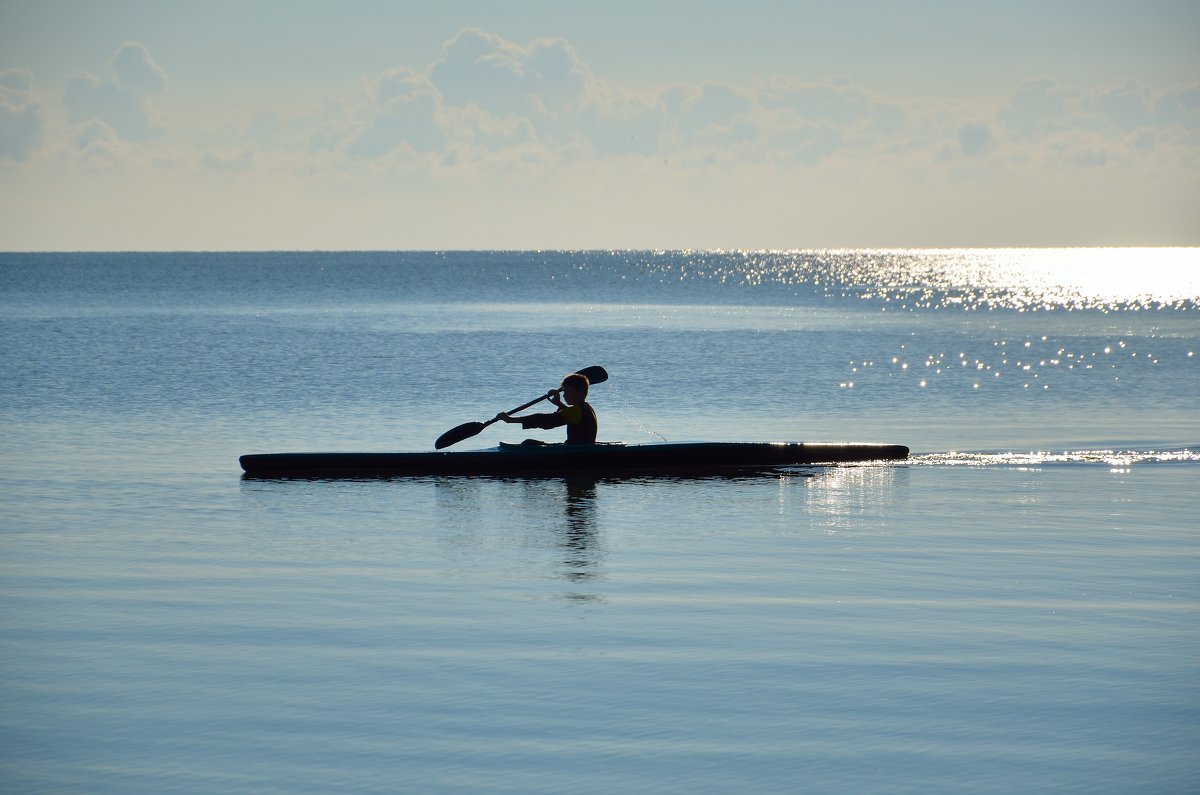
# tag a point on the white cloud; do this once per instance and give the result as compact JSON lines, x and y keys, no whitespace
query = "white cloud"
{"x":137,"y":72}
{"x":124,"y":104}
{"x":796,"y":140}
{"x":559,"y":79}
{"x":707,"y":108}
{"x":504,"y":78}
{"x":482,"y":69}
{"x":1042,"y":108}
{"x":403,"y":112}
{"x":1086,"y":149}
{"x":228,"y":161}
{"x":1037,"y":108}
{"x":808,"y":121}
{"x":98,"y":145}
{"x":485,"y":99}
{"x":1126,"y":106}
{"x":1180,"y":106}
{"x":540,"y":103}
{"x":17,"y":81}
{"x":1072,"y":131}
{"x":22,"y":118}
{"x":837,"y":102}
{"x":617,"y":123}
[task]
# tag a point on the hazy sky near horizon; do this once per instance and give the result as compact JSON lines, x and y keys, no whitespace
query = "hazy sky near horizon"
{"x":313,"y":124}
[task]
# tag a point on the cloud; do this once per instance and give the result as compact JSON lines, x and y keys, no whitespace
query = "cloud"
{"x":482,"y":69}
{"x":403,"y":112}
{"x":975,"y":140}
{"x":1042,"y":108}
{"x":484,"y":96}
{"x":710,"y":107}
{"x":17,"y":81}
{"x":95,"y":133}
{"x":1038,"y":107}
{"x":483,"y":92}
{"x":837,"y":102}
{"x":1179,"y":106}
{"x":504,"y":78}
{"x":98,"y":145}
{"x":800,"y":141}
{"x":224,"y":162}
{"x":616,"y":123}
{"x":781,"y":121}
{"x":1126,"y":106}
{"x":1130,"y":105}
{"x":808,"y":121}
{"x":124,"y":104}
{"x":137,"y":72}
{"x":1087,"y":150}
{"x":1126,"y":124}
{"x":21,"y":118}
{"x":559,"y":79}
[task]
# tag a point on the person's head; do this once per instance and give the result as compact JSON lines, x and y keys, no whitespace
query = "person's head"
{"x":575,"y":388}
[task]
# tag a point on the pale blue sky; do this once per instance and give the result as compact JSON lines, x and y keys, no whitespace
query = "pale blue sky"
{"x":341,"y":125}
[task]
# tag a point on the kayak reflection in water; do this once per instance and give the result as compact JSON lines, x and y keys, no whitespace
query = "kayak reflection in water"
{"x":576,"y":413}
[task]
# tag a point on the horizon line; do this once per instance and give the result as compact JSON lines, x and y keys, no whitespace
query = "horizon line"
{"x":640,"y":249}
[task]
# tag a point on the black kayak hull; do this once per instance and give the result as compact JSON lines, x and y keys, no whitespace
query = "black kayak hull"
{"x":692,"y":458}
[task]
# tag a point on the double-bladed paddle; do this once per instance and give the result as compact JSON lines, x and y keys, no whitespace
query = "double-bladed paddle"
{"x":595,"y":375}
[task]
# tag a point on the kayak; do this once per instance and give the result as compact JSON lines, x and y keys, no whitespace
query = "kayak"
{"x":606,"y":458}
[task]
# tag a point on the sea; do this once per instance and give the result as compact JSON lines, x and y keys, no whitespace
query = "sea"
{"x":1016,"y":608}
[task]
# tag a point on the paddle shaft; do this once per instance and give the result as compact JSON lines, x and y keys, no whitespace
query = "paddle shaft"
{"x":522,"y":407}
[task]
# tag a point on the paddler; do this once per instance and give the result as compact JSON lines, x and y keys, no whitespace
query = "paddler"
{"x":575,"y":413}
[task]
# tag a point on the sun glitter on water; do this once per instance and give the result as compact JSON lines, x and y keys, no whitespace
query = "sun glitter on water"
{"x":1108,"y":279}
{"x":1134,"y":279}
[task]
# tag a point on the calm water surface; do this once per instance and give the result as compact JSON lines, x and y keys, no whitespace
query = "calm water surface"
{"x":1015,"y":609}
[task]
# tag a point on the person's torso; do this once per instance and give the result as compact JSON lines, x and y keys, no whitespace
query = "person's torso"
{"x":581,"y":423}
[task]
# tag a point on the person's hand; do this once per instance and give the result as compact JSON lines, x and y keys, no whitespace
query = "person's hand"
{"x":502,"y":417}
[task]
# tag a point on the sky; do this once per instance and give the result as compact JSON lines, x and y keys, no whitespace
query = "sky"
{"x":481,"y":124}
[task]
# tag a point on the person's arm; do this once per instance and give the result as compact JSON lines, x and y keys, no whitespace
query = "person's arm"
{"x":550,"y":419}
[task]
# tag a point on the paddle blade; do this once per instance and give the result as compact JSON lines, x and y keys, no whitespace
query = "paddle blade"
{"x":595,"y":374}
{"x":456,"y":435}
